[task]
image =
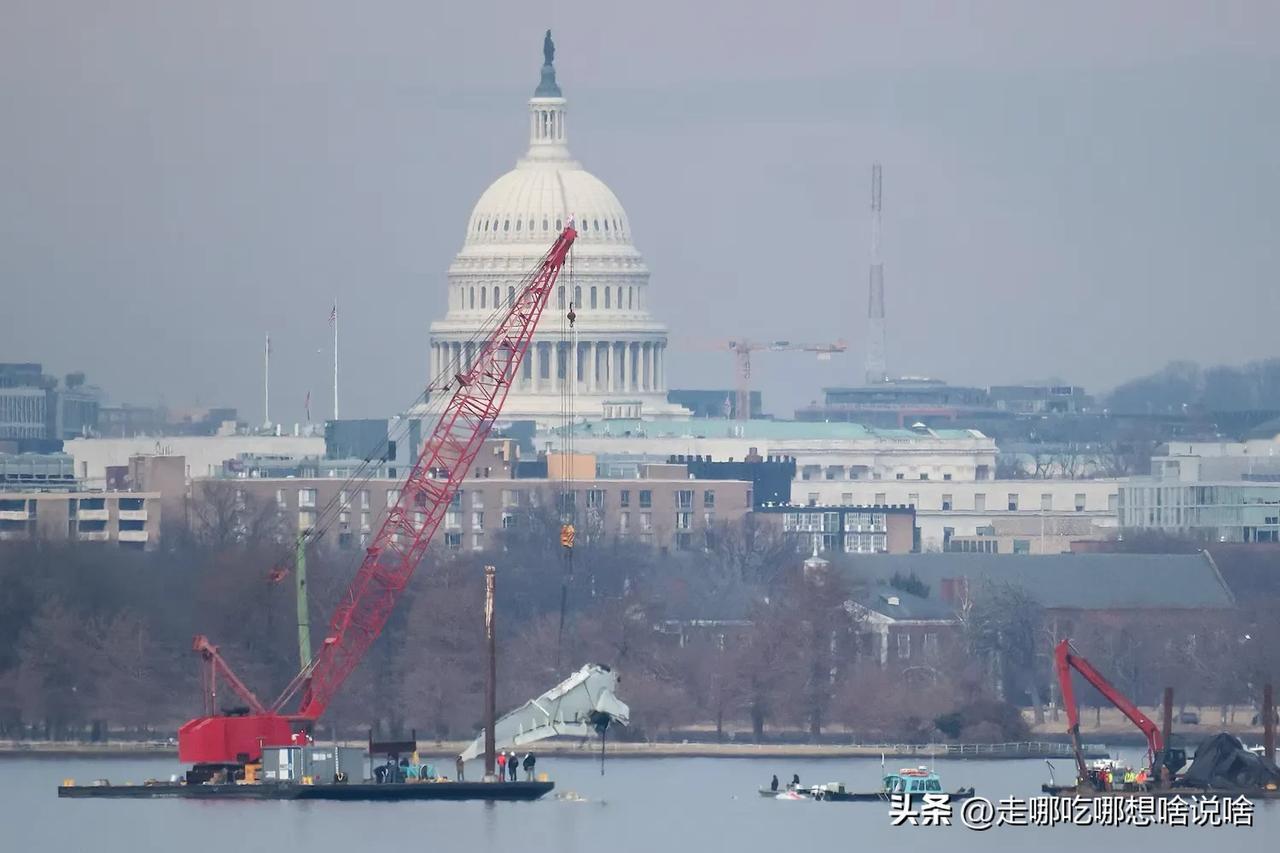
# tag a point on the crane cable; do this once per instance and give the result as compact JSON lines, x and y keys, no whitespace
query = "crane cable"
{"x":567,"y":498}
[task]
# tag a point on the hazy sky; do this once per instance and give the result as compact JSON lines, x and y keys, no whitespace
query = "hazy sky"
{"x":1085,"y":190}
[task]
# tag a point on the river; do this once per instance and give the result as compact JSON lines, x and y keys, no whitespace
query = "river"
{"x":637,"y":806}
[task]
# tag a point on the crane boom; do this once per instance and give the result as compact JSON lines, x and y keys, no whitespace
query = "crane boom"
{"x":445,"y":459}
{"x":479,"y":391}
{"x":1065,"y":659}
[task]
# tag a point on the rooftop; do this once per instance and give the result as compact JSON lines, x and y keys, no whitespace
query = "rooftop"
{"x":1071,"y":581}
{"x":762,"y":429}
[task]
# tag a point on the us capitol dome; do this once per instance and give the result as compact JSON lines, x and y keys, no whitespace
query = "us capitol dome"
{"x":618,"y":368}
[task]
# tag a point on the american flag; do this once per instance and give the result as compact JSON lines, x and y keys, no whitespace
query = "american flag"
{"x":333,"y":315}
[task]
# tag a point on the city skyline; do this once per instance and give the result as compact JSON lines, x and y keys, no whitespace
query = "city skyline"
{"x":1080,"y":191}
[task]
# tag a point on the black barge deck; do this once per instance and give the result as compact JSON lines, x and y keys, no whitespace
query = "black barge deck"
{"x":422,"y":791}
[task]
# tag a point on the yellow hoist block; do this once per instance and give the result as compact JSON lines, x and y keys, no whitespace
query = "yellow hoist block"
{"x":566,"y":535}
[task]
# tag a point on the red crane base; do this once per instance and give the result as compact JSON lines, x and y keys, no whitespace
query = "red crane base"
{"x":217,"y":740}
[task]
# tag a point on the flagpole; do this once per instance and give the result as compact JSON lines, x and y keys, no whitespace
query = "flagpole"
{"x":335,"y":358}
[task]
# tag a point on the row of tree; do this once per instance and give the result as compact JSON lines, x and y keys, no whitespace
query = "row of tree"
{"x":738,"y":638}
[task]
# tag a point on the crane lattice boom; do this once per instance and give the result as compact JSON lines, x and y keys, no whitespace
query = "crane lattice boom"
{"x":407,"y":530}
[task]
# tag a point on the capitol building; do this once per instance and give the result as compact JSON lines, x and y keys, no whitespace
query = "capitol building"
{"x":614,"y":359}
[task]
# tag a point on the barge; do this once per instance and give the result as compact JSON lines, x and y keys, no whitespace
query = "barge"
{"x":363,"y":791}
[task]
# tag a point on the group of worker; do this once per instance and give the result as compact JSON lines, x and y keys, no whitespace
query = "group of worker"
{"x":509,"y":766}
{"x":1126,"y":780}
{"x":795,"y":782}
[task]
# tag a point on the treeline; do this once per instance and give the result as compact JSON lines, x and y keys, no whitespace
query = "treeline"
{"x":1183,"y":384}
{"x":737,"y":638}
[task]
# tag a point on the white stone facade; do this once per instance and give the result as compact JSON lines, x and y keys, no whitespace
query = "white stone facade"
{"x":1046,"y":515}
{"x":614,"y":358}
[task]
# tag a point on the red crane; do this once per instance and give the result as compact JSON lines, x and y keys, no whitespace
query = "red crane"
{"x":214,"y":741}
{"x":1158,"y":753}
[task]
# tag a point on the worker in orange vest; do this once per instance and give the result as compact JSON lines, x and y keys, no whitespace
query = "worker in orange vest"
{"x":502,"y":767}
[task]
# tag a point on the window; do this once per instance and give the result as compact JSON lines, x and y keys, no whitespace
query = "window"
{"x":344,"y":499}
{"x":684,"y":520}
{"x":1022,"y":546}
{"x":281,"y":500}
{"x":1013,"y":502}
{"x":510,"y":497}
{"x":899,"y":476}
{"x":709,"y":519}
{"x":593,"y":297}
{"x":980,"y":502}
{"x":624,"y":497}
{"x":306,"y":497}
{"x":880,"y":499}
{"x":453,"y":541}
{"x":365,"y":522}
{"x":684,"y":498}
{"x":913,"y":499}
{"x":1112,"y":502}
{"x":477,"y":521}
{"x":456,"y":501}
{"x":607,"y":294}
{"x":595,"y":498}
{"x":945,"y":477}
{"x":924,"y":476}
{"x":364,"y":498}
{"x":453,"y":518}
{"x":646,"y":498}
{"x":1046,"y":501}
{"x":931,"y":645}
{"x":393,"y":497}
{"x":646,"y":521}
{"x":904,"y":646}
{"x":846,"y":498}
{"x":946,"y":503}
{"x":477,"y":499}
{"x":624,"y":522}
{"x":306,"y":519}
{"x":508,"y":520}
{"x":709,"y":499}
{"x":477,"y":541}
{"x":1079,"y":501}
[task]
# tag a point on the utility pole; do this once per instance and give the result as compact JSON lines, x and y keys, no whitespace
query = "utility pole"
{"x":266,"y":384}
{"x":304,"y":616}
{"x":491,"y":677}
{"x":334,"y":317}
{"x":875,"y":368}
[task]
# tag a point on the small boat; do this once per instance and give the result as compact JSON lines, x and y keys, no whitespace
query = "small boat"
{"x":914,"y":782}
{"x":792,"y":794}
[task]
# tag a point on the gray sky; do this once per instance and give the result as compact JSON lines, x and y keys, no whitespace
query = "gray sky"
{"x":1086,"y":192}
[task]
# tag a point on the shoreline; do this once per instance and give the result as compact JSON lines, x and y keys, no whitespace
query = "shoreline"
{"x":591,"y":750}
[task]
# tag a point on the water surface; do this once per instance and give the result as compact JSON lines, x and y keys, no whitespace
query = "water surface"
{"x":638,"y":806}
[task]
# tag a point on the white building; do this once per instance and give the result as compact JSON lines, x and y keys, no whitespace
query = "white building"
{"x":615,"y":358}
{"x":1220,"y":491}
{"x":827,"y":453}
{"x":204,"y":453}
{"x":991,"y":516}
